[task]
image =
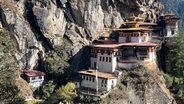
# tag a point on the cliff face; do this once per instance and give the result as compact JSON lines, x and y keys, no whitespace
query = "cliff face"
{"x":141,"y":85}
{"x":41,"y":25}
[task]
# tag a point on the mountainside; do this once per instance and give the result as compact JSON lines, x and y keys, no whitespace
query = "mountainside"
{"x":42,"y":25}
{"x":55,"y":32}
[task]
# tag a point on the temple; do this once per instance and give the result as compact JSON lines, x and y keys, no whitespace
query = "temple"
{"x":170,"y":24}
{"x":132,"y":44}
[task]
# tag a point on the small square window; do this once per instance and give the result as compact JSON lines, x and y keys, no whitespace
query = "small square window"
{"x":86,"y":78}
{"x":33,"y":78}
{"x":105,"y":85}
{"x":100,"y":58}
{"x":105,"y":81}
{"x":109,"y":59}
{"x":93,"y":79}
{"x":106,"y":59}
{"x":172,"y":32}
{"x":40,"y":77}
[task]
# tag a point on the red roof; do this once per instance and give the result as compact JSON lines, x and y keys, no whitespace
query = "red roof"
{"x":33,"y":73}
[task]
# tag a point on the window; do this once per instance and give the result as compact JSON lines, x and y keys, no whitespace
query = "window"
{"x":106,"y":59}
{"x":102,"y":85}
{"x":172,"y":32}
{"x":94,"y":64}
{"x":89,"y":78}
{"x":40,"y":77}
{"x":105,"y":81}
{"x":109,"y":59}
{"x":103,"y":58}
{"x":86,"y":77}
{"x":102,"y":81}
{"x":100,"y":58}
{"x":32,"y":78}
{"x":105,"y":85}
{"x":93,"y":79}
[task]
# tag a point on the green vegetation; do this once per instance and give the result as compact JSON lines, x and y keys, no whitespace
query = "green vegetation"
{"x":58,"y":73}
{"x":7,"y":49}
{"x":67,"y":93}
{"x":175,"y":66}
{"x":64,"y":95}
{"x":88,"y":99}
{"x":56,"y":64}
{"x":47,"y":89}
{"x":9,"y":93}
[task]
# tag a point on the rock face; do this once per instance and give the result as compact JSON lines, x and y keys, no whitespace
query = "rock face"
{"x":41,"y":25}
{"x":141,"y":85}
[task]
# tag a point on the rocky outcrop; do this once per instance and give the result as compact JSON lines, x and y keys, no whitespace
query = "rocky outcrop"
{"x":141,"y":85}
{"x":41,"y":25}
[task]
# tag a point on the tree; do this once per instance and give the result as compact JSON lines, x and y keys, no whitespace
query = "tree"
{"x":176,"y":61}
{"x":176,"y":55}
{"x":47,"y":89}
{"x":67,"y":93}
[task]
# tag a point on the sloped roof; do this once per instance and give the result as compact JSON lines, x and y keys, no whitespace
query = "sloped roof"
{"x":131,"y":44}
{"x":99,"y":74}
{"x":33,"y":73}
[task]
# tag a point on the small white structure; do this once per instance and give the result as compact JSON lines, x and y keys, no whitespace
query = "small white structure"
{"x":34,"y":78}
{"x":106,"y":81}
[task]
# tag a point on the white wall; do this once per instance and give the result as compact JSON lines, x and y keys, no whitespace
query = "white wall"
{"x":106,"y":86}
{"x":37,"y":82}
{"x":104,"y":66}
{"x":111,"y":84}
{"x":168,"y":31}
{"x":114,"y":63}
{"x":92,"y":61}
{"x":152,"y":56}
